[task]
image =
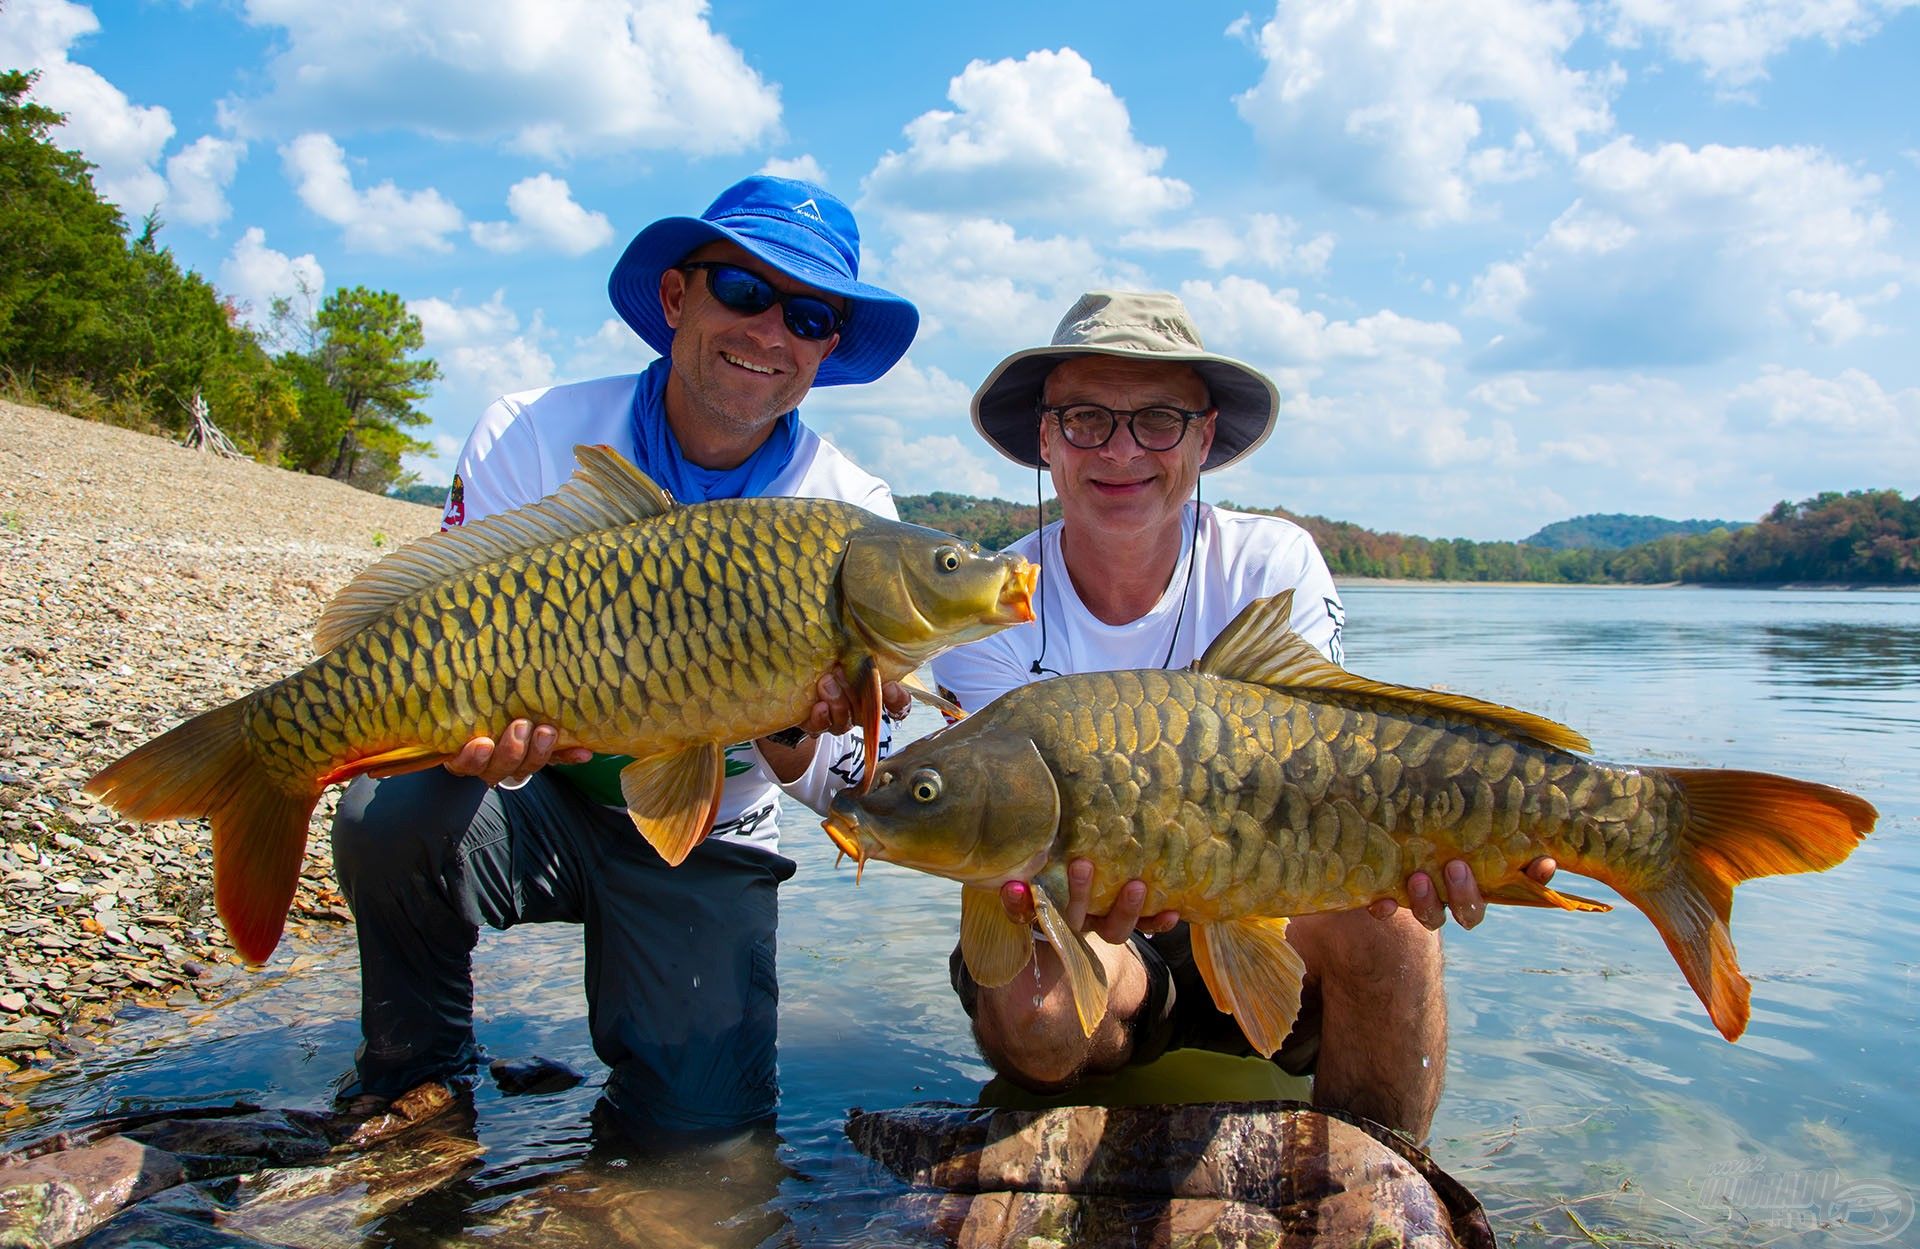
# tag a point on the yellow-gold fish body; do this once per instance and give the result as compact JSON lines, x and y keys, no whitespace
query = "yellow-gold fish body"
{"x":632,"y":625}
{"x":1267,"y":782}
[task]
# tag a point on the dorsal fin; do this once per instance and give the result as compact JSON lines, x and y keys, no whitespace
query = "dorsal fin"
{"x":605,"y":492}
{"x":1260,"y":646}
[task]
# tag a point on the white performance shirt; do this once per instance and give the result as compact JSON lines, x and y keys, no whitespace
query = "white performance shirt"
{"x":1242,"y":557}
{"x":522,"y":451}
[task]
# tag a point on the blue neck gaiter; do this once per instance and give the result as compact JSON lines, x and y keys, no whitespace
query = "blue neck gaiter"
{"x":660,"y":458}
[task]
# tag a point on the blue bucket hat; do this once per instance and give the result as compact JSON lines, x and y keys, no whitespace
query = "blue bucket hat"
{"x":796,"y":227}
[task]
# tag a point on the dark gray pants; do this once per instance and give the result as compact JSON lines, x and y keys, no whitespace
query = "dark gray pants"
{"x":682,"y":998}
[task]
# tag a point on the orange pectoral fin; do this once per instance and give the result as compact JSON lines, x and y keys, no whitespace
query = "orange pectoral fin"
{"x":867,"y":705}
{"x":1529,"y":892}
{"x":394,"y":762}
{"x":673,"y":798}
{"x":1254,"y":974}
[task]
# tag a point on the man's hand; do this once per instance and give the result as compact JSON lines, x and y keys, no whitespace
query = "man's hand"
{"x":832,"y":713}
{"x":1114,"y":927}
{"x":519,"y":752}
{"x":833,"y":705}
{"x":1463,"y":894}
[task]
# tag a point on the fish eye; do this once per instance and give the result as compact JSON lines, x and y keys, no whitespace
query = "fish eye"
{"x":948,"y":558}
{"x":926,"y":785}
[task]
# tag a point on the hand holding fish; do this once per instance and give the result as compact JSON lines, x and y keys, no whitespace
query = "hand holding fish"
{"x":515,"y":755}
{"x":1114,"y":925}
{"x":1463,"y":895}
{"x":834,"y":712}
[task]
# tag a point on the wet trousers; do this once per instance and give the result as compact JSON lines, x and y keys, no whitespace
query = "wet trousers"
{"x":682,"y":995}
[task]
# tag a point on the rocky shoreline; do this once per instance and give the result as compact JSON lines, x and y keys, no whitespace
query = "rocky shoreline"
{"x":141,"y":582}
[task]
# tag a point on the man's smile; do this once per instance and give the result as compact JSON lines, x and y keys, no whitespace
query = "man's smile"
{"x":751,"y":367}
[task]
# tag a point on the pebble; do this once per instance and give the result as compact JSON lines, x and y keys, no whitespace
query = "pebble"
{"x":140,"y":583}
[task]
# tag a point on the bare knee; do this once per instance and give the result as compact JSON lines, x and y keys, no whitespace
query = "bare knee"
{"x":1029,"y":1029}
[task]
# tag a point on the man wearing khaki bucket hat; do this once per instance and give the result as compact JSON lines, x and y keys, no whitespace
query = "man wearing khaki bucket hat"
{"x":1127,"y":409}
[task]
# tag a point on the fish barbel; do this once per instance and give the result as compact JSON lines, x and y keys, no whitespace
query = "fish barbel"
{"x":1266,"y":782}
{"x":631,"y":625}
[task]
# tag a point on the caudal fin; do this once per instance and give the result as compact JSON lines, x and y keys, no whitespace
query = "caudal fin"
{"x":205,"y":768}
{"x":1740,"y":825}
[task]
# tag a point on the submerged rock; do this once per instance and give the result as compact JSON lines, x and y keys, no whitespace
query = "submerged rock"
{"x":516,"y":1076}
{"x":1218,"y":1173}
{"x":215,"y":1176}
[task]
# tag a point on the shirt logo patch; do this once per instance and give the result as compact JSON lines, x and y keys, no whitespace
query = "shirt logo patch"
{"x":456,"y":513}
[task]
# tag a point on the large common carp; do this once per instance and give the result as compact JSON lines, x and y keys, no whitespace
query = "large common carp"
{"x":633,"y":626}
{"x":1268,"y":782}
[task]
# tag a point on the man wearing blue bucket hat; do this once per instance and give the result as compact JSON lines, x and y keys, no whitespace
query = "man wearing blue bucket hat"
{"x":750,"y":305}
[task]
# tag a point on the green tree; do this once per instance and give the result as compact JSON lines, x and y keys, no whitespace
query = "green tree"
{"x":63,"y":257}
{"x":358,"y":383}
{"x":95,"y":323}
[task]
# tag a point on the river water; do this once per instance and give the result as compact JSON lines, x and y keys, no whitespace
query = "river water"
{"x":1588,"y":1096}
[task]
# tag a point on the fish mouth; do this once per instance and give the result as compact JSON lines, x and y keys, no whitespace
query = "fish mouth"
{"x":1016,"y":594}
{"x":843,"y":830}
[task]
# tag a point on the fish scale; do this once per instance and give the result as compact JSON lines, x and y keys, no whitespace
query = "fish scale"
{"x":1278,"y":784}
{"x":632,"y":626}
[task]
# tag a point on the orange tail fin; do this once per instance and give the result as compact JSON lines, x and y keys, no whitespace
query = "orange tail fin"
{"x":206,"y":768}
{"x":1740,"y":825}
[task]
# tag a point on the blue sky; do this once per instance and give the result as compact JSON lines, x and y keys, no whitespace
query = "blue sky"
{"x":1509,"y":260}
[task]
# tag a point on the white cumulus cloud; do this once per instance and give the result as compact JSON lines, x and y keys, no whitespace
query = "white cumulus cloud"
{"x":382,"y":218}
{"x":198,"y":176}
{"x":124,"y":140}
{"x":804,"y":167}
{"x":254,"y":275}
{"x":545,"y":215}
{"x":610,"y":349}
{"x":582,"y":77}
{"x":1041,"y":135}
{"x":984,"y":280}
{"x":912,"y":429}
{"x":1393,"y":104}
{"x":1241,"y":315}
{"x":1852,"y":403}
{"x":1732,"y":40}
{"x":1505,"y":394}
{"x":1263,"y":239}
{"x":1681,"y":255}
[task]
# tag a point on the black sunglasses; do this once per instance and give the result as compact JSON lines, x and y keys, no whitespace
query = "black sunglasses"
{"x":749,"y":294}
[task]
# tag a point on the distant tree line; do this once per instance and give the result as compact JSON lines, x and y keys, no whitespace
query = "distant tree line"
{"x":1861,"y":536}
{"x":1615,"y":530}
{"x":102,"y":325}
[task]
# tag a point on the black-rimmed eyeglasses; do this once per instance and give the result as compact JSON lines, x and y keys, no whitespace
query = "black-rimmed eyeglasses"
{"x":747,"y":293}
{"x":1089,"y":425}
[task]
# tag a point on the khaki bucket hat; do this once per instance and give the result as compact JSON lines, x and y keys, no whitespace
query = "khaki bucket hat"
{"x":1137,"y":325}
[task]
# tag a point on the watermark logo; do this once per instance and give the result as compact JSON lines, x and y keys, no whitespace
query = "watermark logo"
{"x":1849,"y":1212}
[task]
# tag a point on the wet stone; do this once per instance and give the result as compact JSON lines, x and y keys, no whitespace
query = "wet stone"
{"x":535,"y":1075}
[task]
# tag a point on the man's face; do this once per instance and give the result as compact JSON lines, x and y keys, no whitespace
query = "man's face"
{"x":1120,"y":488}
{"x":740,"y":373}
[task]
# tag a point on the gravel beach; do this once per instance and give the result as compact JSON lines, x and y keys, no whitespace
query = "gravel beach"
{"x":141,"y":582}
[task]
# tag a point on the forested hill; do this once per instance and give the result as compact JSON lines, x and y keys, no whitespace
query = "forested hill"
{"x":1864,"y":536}
{"x":1615,"y":531}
